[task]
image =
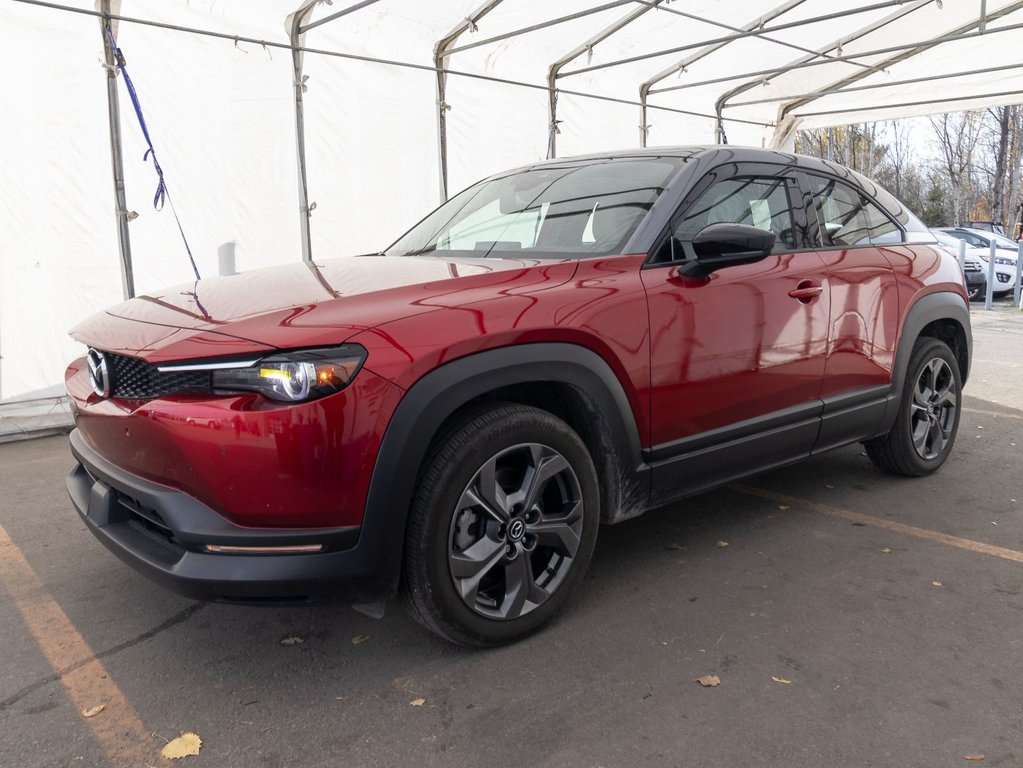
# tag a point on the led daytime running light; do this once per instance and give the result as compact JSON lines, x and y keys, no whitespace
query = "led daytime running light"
{"x":296,"y":376}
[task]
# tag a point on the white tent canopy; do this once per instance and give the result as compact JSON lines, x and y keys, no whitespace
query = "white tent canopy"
{"x":401,"y":100}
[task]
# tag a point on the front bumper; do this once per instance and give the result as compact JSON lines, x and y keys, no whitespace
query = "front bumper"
{"x":162,"y":533}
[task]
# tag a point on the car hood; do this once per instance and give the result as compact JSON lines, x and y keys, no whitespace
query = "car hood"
{"x":305,"y":304}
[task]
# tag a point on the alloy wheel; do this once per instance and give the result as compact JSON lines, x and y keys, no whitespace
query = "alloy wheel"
{"x":934,"y":407}
{"x":516,"y":531}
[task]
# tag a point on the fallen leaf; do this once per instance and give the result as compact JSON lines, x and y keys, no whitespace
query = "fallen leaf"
{"x":973,"y":757}
{"x":93,"y":711}
{"x":721,"y":544}
{"x":709,"y":681}
{"x":979,"y":427}
{"x":359,"y":639}
{"x":783,"y":507}
{"x":185,"y":745}
{"x":674,"y":546}
{"x":829,"y":487}
{"x":341,"y":698}
{"x":294,"y":640}
{"x":781,"y":680}
{"x":887,"y":550}
{"x":937,"y":584}
{"x":417,"y":702}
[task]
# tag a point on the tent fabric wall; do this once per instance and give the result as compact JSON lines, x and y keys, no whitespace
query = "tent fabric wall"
{"x":221,"y":111}
{"x":58,"y":241}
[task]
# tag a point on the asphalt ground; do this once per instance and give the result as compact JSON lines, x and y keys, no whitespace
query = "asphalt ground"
{"x":852,"y":618}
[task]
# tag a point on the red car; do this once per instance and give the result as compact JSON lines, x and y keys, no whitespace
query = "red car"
{"x":568,"y":344}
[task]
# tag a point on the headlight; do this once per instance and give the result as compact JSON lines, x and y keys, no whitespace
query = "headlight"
{"x":296,"y":376}
{"x":1006,"y":262}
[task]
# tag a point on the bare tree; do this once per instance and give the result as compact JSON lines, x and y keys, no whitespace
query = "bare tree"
{"x":1012,"y":196}
{"x":976,"y":177}
{"x":898,"y":154}
{"x":1001,"y":116}
{"x":957,"y":135}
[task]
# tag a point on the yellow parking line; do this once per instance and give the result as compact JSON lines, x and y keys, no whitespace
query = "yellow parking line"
{"x":117,"y":728}
{"x":880,"y":522}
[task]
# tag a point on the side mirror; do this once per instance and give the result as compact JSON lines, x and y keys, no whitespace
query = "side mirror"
{"x":727,"y":245}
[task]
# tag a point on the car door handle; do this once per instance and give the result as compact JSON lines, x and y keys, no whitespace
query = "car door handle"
{"x":806,"y":291}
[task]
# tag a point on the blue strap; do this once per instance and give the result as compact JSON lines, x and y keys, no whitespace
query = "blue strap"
{"x":162,"y":194}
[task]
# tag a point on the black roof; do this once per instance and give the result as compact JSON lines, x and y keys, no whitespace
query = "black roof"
{"x":719,"y":153}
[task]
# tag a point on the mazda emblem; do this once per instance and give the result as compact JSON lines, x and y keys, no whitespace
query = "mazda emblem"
{"x":516,"y":530}
{"x":99,"y":374}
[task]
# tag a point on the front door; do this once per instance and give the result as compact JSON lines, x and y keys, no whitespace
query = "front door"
{"x":737,"y":357}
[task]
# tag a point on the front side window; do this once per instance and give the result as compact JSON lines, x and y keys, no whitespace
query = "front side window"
{"x":545,"y":212}
{"x":758,"y":201}
{"x":847,"y":218}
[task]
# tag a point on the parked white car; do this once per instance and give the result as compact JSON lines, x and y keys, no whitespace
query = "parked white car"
{"x":974,"y":266}
{"x":1006,"y":253}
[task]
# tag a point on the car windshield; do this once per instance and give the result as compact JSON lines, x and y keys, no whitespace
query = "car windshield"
{"x":1004,"y":242}
{"x":946,"y":239}
{"x":983,"y":238}
{"x":549,"y":211}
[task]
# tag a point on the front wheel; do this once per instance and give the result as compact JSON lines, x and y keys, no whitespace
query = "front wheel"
{"x":928,"y":419}
{"x":502,"y":528}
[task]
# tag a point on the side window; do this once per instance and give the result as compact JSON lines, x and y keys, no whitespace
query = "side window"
{"x":847,"y":218}
{"x":758,"y":201}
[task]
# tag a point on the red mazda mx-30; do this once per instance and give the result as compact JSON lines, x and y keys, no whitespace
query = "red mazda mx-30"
{"x":560,"y":346}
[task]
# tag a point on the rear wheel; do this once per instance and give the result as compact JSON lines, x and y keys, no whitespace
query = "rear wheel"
{"x":928,"y":419}
{"x":502,"y":528}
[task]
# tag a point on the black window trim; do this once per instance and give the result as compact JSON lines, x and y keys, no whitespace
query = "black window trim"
{"x":797,"y":191}
{"x":804,"y":180}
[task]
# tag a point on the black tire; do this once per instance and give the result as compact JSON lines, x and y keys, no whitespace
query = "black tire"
{"x":480,"y":568}
{"x":928,"y":419}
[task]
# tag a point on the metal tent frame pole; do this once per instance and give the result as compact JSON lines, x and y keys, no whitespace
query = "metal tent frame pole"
{"x":680,"y":66}
{"x":108,"y":7}
{"x":780,"y":136}
{"x":441,"y":52}
{"x":761,"y":74}
{"x":787,"y":121}
{"x":736,"y":36}
{"x":742,"y":30}
{"x":915,"y":103}
{"x":579,"y":50}
{"x":293,"y":24}
{"x":303,"y":28}
{"x":876,"y":86}
{"x":542,"y":25}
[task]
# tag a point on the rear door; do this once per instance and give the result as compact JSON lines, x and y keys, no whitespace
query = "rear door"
{"x":737,"y":357}
{"x":851,"y":231}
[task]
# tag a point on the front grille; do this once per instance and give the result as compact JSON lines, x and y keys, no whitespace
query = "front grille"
{"x":971,"y":267}
{"x":138,"y":380}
